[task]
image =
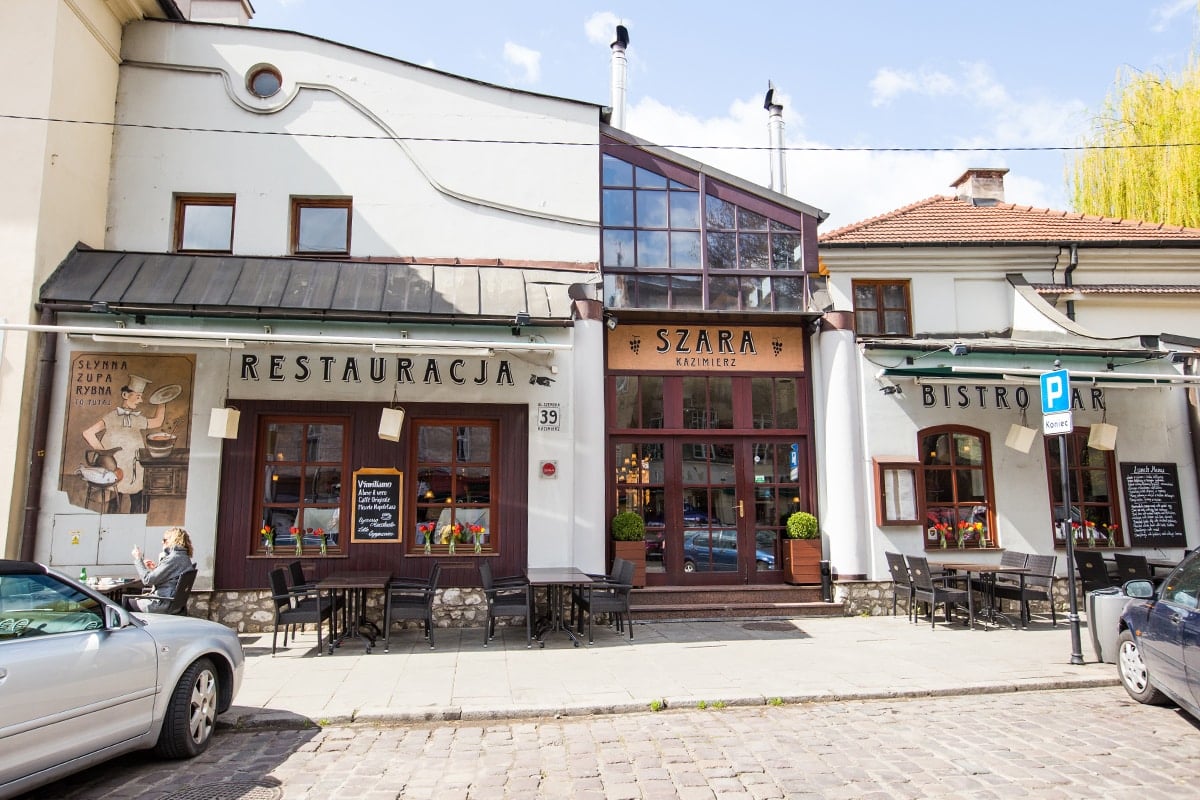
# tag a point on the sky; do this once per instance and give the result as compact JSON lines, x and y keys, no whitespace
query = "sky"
{"x":885,"y":103}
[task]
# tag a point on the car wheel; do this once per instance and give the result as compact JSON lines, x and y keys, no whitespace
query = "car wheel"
{"x":689,"y":566}
{"x":191,"y":714}
{"x":1134,"y":675}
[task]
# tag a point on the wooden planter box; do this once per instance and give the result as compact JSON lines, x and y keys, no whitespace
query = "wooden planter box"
{"x":802,"y":560}
{"x":635,"y":552}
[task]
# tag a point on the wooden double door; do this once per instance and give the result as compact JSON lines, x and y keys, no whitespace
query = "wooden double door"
{"x":715,"y":506}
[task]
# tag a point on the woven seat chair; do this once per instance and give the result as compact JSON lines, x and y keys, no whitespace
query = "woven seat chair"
{"x":939,"y":590}
{"x":409,"y":600}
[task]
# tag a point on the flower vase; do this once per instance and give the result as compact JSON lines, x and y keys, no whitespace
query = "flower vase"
{"x":299,"y":546}
{"x":1111,"y":543}
{"x":478,"y":546}
{"x":962,"y":543}
{"x":323,"y":546}
{"x":942,"y":541}
{"x":428,"y":549}
{"x":451,"y":550}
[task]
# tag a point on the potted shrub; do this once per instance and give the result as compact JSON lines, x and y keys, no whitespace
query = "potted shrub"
{"x":802,"y":549}
{"x":629,"y":543}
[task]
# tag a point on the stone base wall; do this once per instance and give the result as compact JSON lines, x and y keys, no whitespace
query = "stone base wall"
{"x":874,"y":598}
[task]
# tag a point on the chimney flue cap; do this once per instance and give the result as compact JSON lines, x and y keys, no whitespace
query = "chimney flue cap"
{"x":622,"y":36}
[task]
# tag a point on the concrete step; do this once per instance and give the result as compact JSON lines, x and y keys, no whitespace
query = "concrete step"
{"x":730,"y":602}
{"x":706,"y":611}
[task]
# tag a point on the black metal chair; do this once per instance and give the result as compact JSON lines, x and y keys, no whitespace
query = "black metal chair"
{"x":609,"y":597}
{"x":511,"y":600}
{"x":901,"y":582}
{"x":1132,"y":568}
{"x":409,"y":600}
{"x":1092,"y":571}
{"x":177,"y":603}
{"x":296,"y":608}
{"x":936,"y":591}
{"x":1038,"y":585}
{"x":500,"y":583}
{"x":578,"y":592}
{"x":296,"y":571}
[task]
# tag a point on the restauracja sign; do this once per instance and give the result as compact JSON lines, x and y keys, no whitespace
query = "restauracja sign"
{"x":376,"y":369}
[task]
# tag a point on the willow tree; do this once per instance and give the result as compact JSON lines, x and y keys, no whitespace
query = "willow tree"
{"x":1143,"y":160}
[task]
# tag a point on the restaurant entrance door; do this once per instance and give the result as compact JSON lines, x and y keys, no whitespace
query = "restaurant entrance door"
{"x":715,"y":508}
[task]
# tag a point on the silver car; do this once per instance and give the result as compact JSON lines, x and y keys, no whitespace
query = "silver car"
{"x":83,"y":680}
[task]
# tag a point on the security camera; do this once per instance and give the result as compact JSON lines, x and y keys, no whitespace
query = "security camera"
{"x":959,"y":349}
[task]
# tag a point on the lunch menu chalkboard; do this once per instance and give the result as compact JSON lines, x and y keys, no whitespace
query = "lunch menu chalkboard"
{"x":1152,"y":502}
{"x":377,"y":505}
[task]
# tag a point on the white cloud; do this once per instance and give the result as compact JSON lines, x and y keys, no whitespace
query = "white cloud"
{"x":1162,"y":16}
{"x":529,"y":61}
{"x":888,"y":84}
{"x":601,"y":27}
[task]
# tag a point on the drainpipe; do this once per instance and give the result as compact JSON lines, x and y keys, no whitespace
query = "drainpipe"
{"x":1074,"y":262}
{"x":775,"y":128}
{"x":619,"y":70}
{"x":47,"y":357}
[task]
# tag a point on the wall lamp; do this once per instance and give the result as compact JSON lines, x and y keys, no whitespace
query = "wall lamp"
{"x":959,"y":349}
{"x":521,"y":319}
{"x":610,"y":322}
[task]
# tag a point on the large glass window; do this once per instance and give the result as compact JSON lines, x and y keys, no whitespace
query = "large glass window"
{"x":881,"y":308}
{"x":956,"y":466}
{"x":665,"y":245}
{"x":1095,"y":515}
{"x":638,"y":479}
{"x":456,"y":469}
{"x":204,"y":224}
{"x":302,"y":465}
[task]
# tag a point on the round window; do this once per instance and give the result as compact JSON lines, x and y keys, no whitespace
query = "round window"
{"x":264,"y":81}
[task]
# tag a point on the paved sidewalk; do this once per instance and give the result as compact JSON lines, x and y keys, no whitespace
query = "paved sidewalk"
{"x":677,"y":664}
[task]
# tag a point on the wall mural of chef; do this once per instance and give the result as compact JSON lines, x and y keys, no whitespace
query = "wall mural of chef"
{"x":125,"y":445}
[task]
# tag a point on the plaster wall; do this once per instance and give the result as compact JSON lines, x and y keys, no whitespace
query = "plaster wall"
{"x":383,"y":132}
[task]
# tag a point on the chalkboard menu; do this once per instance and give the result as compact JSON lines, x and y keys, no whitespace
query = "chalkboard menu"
{"x":1152,"y":500}
{"x":377,"y":508}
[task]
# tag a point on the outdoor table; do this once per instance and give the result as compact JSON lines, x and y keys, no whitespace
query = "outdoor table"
{"x":558,"y":582}
{"x":987,"y":575}
{"x":1165,"y":564}
{"x":117,"y":589}
{"x":349,"y":589}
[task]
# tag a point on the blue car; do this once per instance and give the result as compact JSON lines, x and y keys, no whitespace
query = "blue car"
{"x":717,"y":550}
{"x":1158,"y":644}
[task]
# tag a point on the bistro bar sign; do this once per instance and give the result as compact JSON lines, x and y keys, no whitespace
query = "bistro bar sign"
{"x":706,"y":349}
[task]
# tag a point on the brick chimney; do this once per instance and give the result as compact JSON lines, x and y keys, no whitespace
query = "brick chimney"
{"x":981,"y":186}
{"x":228,"y":12}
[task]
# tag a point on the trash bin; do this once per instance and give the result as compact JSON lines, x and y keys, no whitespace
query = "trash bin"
{"x":1104,"y":608}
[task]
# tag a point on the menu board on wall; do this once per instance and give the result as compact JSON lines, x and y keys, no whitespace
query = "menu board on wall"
{"x":377,"y":505}
{"x":1152,"y":502}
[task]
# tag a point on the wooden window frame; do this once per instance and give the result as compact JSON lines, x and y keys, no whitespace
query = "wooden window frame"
{"x":1076,"y":444}
{"x":262,"y":507}
{"x":185,"y":201}
{"x":416,"y":544}
{"x":890,"y":474}
{"x":931,"y":541}
{"x":299,"y":204}
{"x":905,"y":285}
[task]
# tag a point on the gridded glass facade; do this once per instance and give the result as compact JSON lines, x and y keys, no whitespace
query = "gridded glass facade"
{"x":668,"y":244}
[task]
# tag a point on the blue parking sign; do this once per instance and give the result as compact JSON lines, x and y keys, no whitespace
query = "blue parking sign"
{"x":1056,"y":392}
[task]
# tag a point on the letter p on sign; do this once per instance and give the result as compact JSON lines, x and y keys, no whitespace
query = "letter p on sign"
{"x":1055,"y":397}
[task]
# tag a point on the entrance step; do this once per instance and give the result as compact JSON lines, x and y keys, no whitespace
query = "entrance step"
{"x":730,"y":602}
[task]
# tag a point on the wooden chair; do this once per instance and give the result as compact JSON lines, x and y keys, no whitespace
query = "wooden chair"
{"x":296,"y":608}
{"x":1039,"y":585}
{"x":176,"y":603}
{"x":938,"y":590}
{"x":407,"y":600}
{"x":512,"y":600}
{"x":901,"y":582}
{"x":609,"y":597}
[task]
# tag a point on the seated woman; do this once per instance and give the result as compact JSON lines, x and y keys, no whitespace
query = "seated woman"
{"x":163,"y":577}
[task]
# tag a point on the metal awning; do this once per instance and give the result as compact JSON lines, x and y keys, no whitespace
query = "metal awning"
{"x":987,"y":374}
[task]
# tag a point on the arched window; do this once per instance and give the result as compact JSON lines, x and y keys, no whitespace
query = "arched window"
{"x":957,"y":503}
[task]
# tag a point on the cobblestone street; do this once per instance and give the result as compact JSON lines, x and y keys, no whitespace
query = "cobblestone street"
{"x":1072,"y":743}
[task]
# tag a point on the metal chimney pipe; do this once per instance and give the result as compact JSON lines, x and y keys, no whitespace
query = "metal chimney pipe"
{"x":619,"y":70}
{"x":775,"y":129}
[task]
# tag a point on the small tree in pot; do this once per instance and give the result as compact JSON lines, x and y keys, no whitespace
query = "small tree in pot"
{"x":802,"y":549}
{"x":629,"y":543}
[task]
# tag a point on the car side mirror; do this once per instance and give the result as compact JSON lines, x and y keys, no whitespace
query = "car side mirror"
{"x":116,"y":617}
{"x":1141,"y":589}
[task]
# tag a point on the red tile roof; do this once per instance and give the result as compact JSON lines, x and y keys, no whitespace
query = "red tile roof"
{"x":945,"y":220}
